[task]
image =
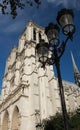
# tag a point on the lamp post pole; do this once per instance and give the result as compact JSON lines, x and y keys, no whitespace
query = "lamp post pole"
{"x":65,"y":19}
{"x":61,"y":92}
{"x":61,"y":89}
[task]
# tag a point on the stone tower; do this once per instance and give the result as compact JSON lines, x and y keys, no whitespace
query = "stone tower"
{"x":76,"y":71}
{"x":26,"y":86}
{"x":30,"y":93}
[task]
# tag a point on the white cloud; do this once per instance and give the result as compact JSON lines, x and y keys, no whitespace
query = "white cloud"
{"x":66,"y":3}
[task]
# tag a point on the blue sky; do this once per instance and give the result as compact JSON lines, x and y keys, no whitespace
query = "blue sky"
{"x":11,"y":29}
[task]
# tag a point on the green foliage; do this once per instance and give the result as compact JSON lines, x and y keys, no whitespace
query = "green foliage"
{"x":11,"y":6}
{"x":75,"y":121}
{"x":56,"y":122}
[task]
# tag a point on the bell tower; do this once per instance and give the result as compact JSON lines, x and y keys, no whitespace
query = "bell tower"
{"x":76,"y":71}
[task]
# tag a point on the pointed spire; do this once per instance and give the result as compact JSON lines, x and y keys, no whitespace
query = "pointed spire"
{"x":74,"y":64}
{"x":76,"y":71}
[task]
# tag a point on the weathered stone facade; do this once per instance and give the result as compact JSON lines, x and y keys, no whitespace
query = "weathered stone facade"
{"x":30,"y":93}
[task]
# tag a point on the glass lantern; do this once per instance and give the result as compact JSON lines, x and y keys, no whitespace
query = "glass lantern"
{"x":42,"y":51}
{"x":65,"y":19}
{"x":52,"y":32}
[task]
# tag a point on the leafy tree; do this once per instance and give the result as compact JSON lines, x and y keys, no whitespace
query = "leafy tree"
{"x":11,"y":6}
{"x":75,"y":120}
{"x":56,"y":122}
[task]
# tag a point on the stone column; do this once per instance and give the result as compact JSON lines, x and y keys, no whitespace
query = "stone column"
{"x":42,"y":92}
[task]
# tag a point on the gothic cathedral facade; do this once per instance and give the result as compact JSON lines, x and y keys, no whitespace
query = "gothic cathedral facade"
{"x":30,"y":93}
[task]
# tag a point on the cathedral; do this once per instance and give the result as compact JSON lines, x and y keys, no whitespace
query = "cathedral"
{"x":29,"y":93}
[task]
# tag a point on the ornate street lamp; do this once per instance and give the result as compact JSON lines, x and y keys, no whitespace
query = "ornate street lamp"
{"x":65,"y":19}
{"x":50,"y":53}
{"x":42,"y":50}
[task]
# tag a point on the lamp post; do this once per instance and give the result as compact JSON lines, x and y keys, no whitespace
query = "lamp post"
{"x":51,"y":52}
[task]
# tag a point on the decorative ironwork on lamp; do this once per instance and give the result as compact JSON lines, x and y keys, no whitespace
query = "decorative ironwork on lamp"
{"x":52,"y":32}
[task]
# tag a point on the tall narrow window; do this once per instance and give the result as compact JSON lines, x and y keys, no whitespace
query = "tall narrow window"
{"x":5,"y":123}
{"x":15,"y":119}
{"x":39,"y":36}
{"x":34,"y":34}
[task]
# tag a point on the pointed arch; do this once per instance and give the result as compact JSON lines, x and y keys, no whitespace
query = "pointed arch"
{"x":15,"y":119}
{"x":5,"y":123}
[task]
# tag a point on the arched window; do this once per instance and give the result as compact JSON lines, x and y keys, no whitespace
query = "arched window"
{"x":39,"y":36}
{"x":34,"y":34}
{"x":5,"y":123}
{"x":15,"y":119}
